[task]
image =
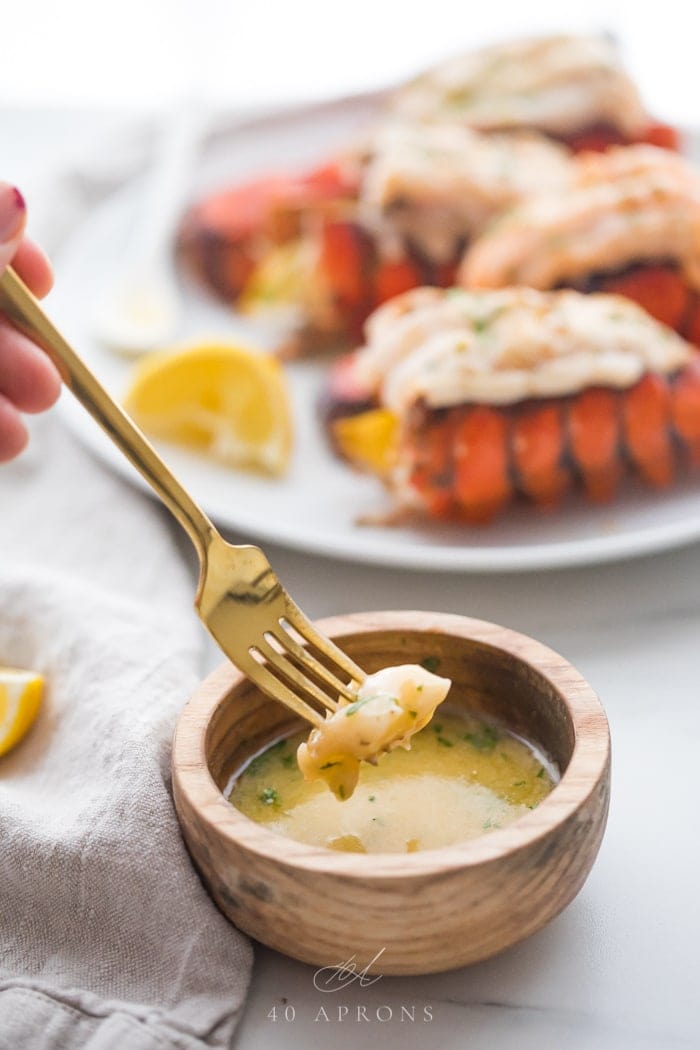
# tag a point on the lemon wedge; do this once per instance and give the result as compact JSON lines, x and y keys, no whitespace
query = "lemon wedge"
{"x":368,"y":439}
{"x":20,"y":700}
{"x":224,"y":400}
{"x":280,"y":279}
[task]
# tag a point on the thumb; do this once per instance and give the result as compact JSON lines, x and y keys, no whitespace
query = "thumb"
{"x":13,"y":212}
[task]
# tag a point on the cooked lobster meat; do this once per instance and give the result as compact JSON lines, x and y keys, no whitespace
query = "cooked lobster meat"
{"x":628,"y":223}
{"x":479,"y":398}
{"x":572,"y":88}
{"x":438,"y":185}
{"x":424,"y":195}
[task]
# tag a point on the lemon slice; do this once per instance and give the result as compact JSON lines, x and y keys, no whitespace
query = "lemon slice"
{"x":20,"y":700}
{"x":224,"y":400}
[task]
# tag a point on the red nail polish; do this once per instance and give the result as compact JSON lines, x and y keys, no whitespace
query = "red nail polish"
{"x":12,"y":213}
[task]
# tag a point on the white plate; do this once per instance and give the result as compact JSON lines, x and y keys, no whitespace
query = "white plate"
{"x":316,"y":506}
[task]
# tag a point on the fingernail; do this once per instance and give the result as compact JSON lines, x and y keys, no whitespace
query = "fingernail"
{"x":12,"y":212}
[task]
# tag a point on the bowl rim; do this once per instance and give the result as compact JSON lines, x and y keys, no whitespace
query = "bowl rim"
{"x":583,"y":776}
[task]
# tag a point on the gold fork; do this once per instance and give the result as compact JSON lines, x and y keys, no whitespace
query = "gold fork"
{"x":239,"y":598}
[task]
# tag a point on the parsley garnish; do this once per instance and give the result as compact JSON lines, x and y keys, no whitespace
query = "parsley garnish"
{"x":444,"y":741}
{"x":269,"y":796}
{"x":541,"y":772}
{"x":355,"y":707}
{"x":485,"y":739}
{"x":352,"y":708}
{"x":431,"y":663}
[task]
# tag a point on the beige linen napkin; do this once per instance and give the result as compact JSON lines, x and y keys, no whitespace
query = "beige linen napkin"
{"x":107,"y":937}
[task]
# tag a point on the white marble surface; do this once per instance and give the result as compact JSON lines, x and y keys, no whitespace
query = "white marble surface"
{"x":618,"y":969}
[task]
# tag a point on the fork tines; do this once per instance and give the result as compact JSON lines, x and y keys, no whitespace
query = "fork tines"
{"x":284,"y":655}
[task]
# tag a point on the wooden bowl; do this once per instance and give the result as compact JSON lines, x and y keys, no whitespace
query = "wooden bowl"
{"x":402,"y":913}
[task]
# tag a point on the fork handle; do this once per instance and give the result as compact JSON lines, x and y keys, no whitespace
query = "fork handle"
{"x":25,"y":313}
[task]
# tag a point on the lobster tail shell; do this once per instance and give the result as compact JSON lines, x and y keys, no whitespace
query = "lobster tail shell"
{"x":470,"y":461}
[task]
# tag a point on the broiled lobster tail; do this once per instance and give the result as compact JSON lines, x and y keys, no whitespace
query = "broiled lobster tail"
{"x":227,"y":235}
{"x":466,"y":463}
{"x":464,"y":400}
{"x":353,"y":277}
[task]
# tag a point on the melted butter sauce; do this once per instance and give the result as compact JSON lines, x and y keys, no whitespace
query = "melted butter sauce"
{"x":462,"y":778}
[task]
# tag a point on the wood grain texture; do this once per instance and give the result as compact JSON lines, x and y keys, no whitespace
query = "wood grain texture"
{"x":431,"y":910}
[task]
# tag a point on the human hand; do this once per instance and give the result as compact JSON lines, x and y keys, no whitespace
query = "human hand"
{"x":28,"y":380}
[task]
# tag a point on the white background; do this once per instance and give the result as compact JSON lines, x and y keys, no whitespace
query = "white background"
{"x":142,"y":54}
